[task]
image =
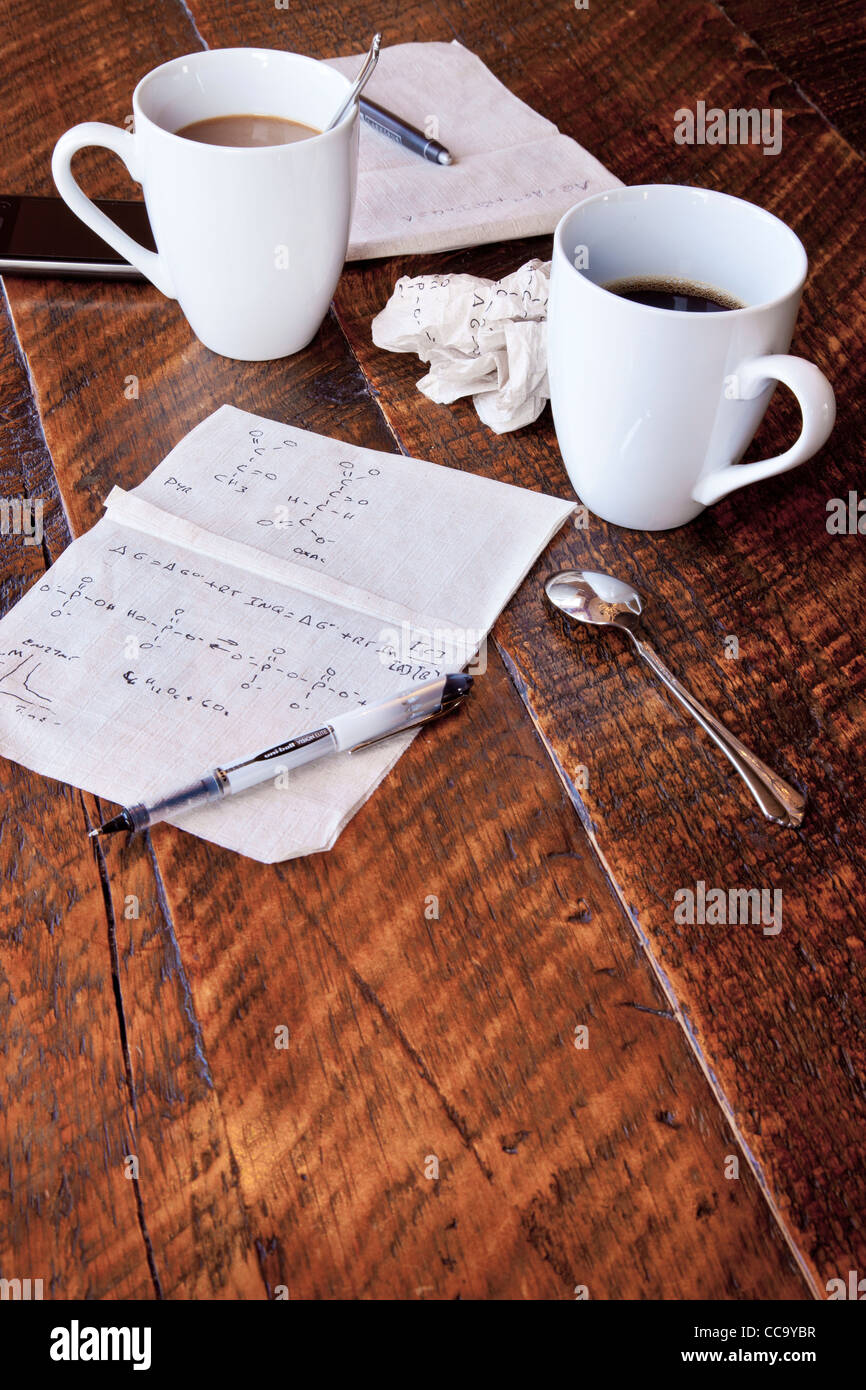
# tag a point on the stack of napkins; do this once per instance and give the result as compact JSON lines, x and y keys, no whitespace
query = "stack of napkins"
{"x":514,"y":174}
{"x":260,"y":581}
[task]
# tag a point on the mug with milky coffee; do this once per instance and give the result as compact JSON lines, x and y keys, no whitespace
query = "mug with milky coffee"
{"x":670,"y":316}
{"x":249,"y":201}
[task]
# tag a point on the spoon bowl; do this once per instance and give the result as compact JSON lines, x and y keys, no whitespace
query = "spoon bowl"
{"x":585,"y":596}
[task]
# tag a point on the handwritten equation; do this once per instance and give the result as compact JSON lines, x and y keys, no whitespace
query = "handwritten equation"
{"x":212,"y":654}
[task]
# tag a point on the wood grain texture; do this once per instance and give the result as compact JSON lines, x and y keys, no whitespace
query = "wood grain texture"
{"x":781,"y":1019}
{"x":78,"y":63}
{"x":820,"y":47}
{"x":410,"y":1037}
{"x":68,"y":1215}
{"x":452,"y":1038}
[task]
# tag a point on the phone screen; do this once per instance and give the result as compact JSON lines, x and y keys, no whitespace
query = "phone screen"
{"x":46,"y":229}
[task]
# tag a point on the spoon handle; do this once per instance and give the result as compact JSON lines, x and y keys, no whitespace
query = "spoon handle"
{"x":359,"y":83}
{"x":778,"y":801}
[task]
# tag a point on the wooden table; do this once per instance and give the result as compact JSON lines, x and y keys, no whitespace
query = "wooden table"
{"x":711,"y":1049}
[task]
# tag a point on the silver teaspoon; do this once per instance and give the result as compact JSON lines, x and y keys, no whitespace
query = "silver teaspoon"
{"x":359,"y":84}
{"x":602,"y":601}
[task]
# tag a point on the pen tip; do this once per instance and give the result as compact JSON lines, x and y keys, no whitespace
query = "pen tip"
{"x":445,"y":157}
{"x":124,"y":821}
{"x":91,"y":833}
{"x":456,"y":686}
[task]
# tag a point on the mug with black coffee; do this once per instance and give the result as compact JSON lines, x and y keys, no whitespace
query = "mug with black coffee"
{"x":671,"y":311}
{"x":249,"y":197}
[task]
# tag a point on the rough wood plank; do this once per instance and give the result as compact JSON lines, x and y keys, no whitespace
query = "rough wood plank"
{"x":80,"y":63}
{"x":409,"y":1037}
{"x":820,"y":47}
{"x":68,"y":1216}
{"x":780,"y":1019}
{"x":190,"y":1185}
{"x":453,"y":1039}
{"x":379,"y":1068}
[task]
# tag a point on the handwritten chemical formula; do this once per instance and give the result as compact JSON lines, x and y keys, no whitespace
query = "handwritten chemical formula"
{"x":317,"y":519}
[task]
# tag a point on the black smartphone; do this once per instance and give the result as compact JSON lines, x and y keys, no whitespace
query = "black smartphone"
{"x":42,"y":236}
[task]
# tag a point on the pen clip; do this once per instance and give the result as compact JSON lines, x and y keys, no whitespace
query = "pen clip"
{"x":445,"y":708}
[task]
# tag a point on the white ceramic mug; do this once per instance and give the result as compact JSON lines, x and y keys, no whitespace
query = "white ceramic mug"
{"x":250,"y":240}
{"x":654,"y":408}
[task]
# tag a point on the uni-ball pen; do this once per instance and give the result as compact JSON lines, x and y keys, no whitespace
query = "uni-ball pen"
{"x":345,"y":733}
{"x":403,"y":133}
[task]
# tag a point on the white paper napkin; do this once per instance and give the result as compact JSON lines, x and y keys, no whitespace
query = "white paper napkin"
{"x":514,"y":174}
{"x":258,"y":582}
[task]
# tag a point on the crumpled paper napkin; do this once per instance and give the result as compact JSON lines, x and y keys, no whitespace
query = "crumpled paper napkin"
{"x":481,"y":338}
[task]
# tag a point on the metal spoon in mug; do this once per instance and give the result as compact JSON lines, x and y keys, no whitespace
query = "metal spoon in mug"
{"x":360,"y":82}
{"x":602,"y":601}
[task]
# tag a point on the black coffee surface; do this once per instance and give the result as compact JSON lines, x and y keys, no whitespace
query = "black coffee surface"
{"x":677,"y":295}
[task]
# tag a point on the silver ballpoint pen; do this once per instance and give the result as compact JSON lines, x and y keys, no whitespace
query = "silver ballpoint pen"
{"x":345,"y":733}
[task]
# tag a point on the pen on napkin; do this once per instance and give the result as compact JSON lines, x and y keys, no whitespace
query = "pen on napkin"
{"x":403,"y":133}
{"x":345,"y":733}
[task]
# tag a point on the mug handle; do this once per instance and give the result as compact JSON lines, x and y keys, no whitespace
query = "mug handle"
{"x":818,"y":407}
{"x":121,"y":143}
